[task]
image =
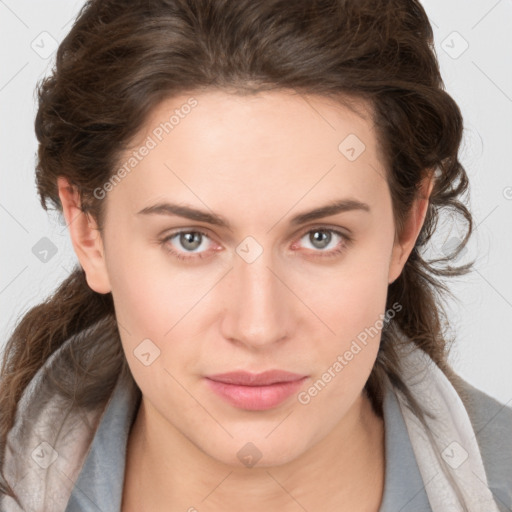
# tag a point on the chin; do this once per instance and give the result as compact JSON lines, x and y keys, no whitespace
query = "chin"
{"x":258,"y":453}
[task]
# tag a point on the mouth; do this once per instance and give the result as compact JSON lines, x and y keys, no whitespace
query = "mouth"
{"x":255,"y":392}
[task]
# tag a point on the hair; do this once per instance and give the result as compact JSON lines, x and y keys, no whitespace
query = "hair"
{"x":122,"y":58}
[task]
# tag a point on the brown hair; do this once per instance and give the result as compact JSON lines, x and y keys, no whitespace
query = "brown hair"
{"x":122,"y":58}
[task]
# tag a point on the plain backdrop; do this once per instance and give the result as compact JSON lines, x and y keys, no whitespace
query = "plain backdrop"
{"x":474,"y":47}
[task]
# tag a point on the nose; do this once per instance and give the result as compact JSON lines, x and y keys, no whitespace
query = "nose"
{"x":259,"y":307}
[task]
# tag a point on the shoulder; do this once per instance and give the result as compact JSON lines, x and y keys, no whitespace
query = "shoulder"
{"x":492,"y":423}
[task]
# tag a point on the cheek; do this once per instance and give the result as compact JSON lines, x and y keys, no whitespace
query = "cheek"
{"x":351,"y":298}
{"x":344,"y":360}
{"x":352,"y":303}
{"x":362,"y":303}
{"x":148,"y":310}
{"x":158,"y":301}
{"x":140,"y":299}
{"x":149,"y":290}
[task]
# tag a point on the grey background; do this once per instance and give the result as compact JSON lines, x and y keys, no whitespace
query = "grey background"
{"x":474,"y":47}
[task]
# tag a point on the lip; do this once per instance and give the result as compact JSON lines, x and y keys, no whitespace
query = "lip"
{"x":255,"y":391}
{"x":243,"y":378}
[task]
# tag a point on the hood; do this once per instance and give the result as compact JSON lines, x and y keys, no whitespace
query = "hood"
{"x":51,"y":435}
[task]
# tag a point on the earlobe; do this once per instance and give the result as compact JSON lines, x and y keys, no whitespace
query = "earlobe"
{"x":85,"y":237}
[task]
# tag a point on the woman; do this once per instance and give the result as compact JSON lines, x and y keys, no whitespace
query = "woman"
{"x":248,"y":187}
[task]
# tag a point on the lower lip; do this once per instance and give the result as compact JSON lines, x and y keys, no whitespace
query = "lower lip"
{"x":256,"y":398}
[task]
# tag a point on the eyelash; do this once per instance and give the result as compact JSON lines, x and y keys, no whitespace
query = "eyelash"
{"x":342,"y":246}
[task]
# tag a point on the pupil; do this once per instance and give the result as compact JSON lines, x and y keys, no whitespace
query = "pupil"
{"x":323,"y":234}
{"x":190,"y":238}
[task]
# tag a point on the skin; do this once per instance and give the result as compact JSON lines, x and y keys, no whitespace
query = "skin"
{"x":257,"y":161}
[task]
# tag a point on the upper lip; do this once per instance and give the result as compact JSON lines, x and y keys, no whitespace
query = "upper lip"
{"x":266,"y":378}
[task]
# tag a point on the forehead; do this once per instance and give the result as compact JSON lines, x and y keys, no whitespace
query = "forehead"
{"x":219,"y":120}
{"x":266,"y":143}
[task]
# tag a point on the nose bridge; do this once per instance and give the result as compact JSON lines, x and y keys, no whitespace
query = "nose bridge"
{"x":258,"y":309}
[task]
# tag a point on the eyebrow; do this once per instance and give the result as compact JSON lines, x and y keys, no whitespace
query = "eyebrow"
{"x":333,"y":208}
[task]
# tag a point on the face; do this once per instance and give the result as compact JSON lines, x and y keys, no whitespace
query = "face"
{"x":251,"y":283}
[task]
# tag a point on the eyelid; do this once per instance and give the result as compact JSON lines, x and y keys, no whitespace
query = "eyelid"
{"x":342,"y":230}
{"x":347,"y":233}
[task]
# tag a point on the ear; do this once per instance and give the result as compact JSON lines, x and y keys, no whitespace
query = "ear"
{"x":403,"y":246}
{"x":85,"y":237}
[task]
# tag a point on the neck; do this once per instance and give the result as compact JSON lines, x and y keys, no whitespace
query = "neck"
{"x":344,"y":471}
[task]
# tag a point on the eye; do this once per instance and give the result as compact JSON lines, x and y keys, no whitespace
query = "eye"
{"x":187,"y":244}
{"x":191,"y":241}
{"x":322,"y":237}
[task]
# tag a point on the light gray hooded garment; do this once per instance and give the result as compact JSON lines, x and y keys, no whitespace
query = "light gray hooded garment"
{"x":73,"y":461}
